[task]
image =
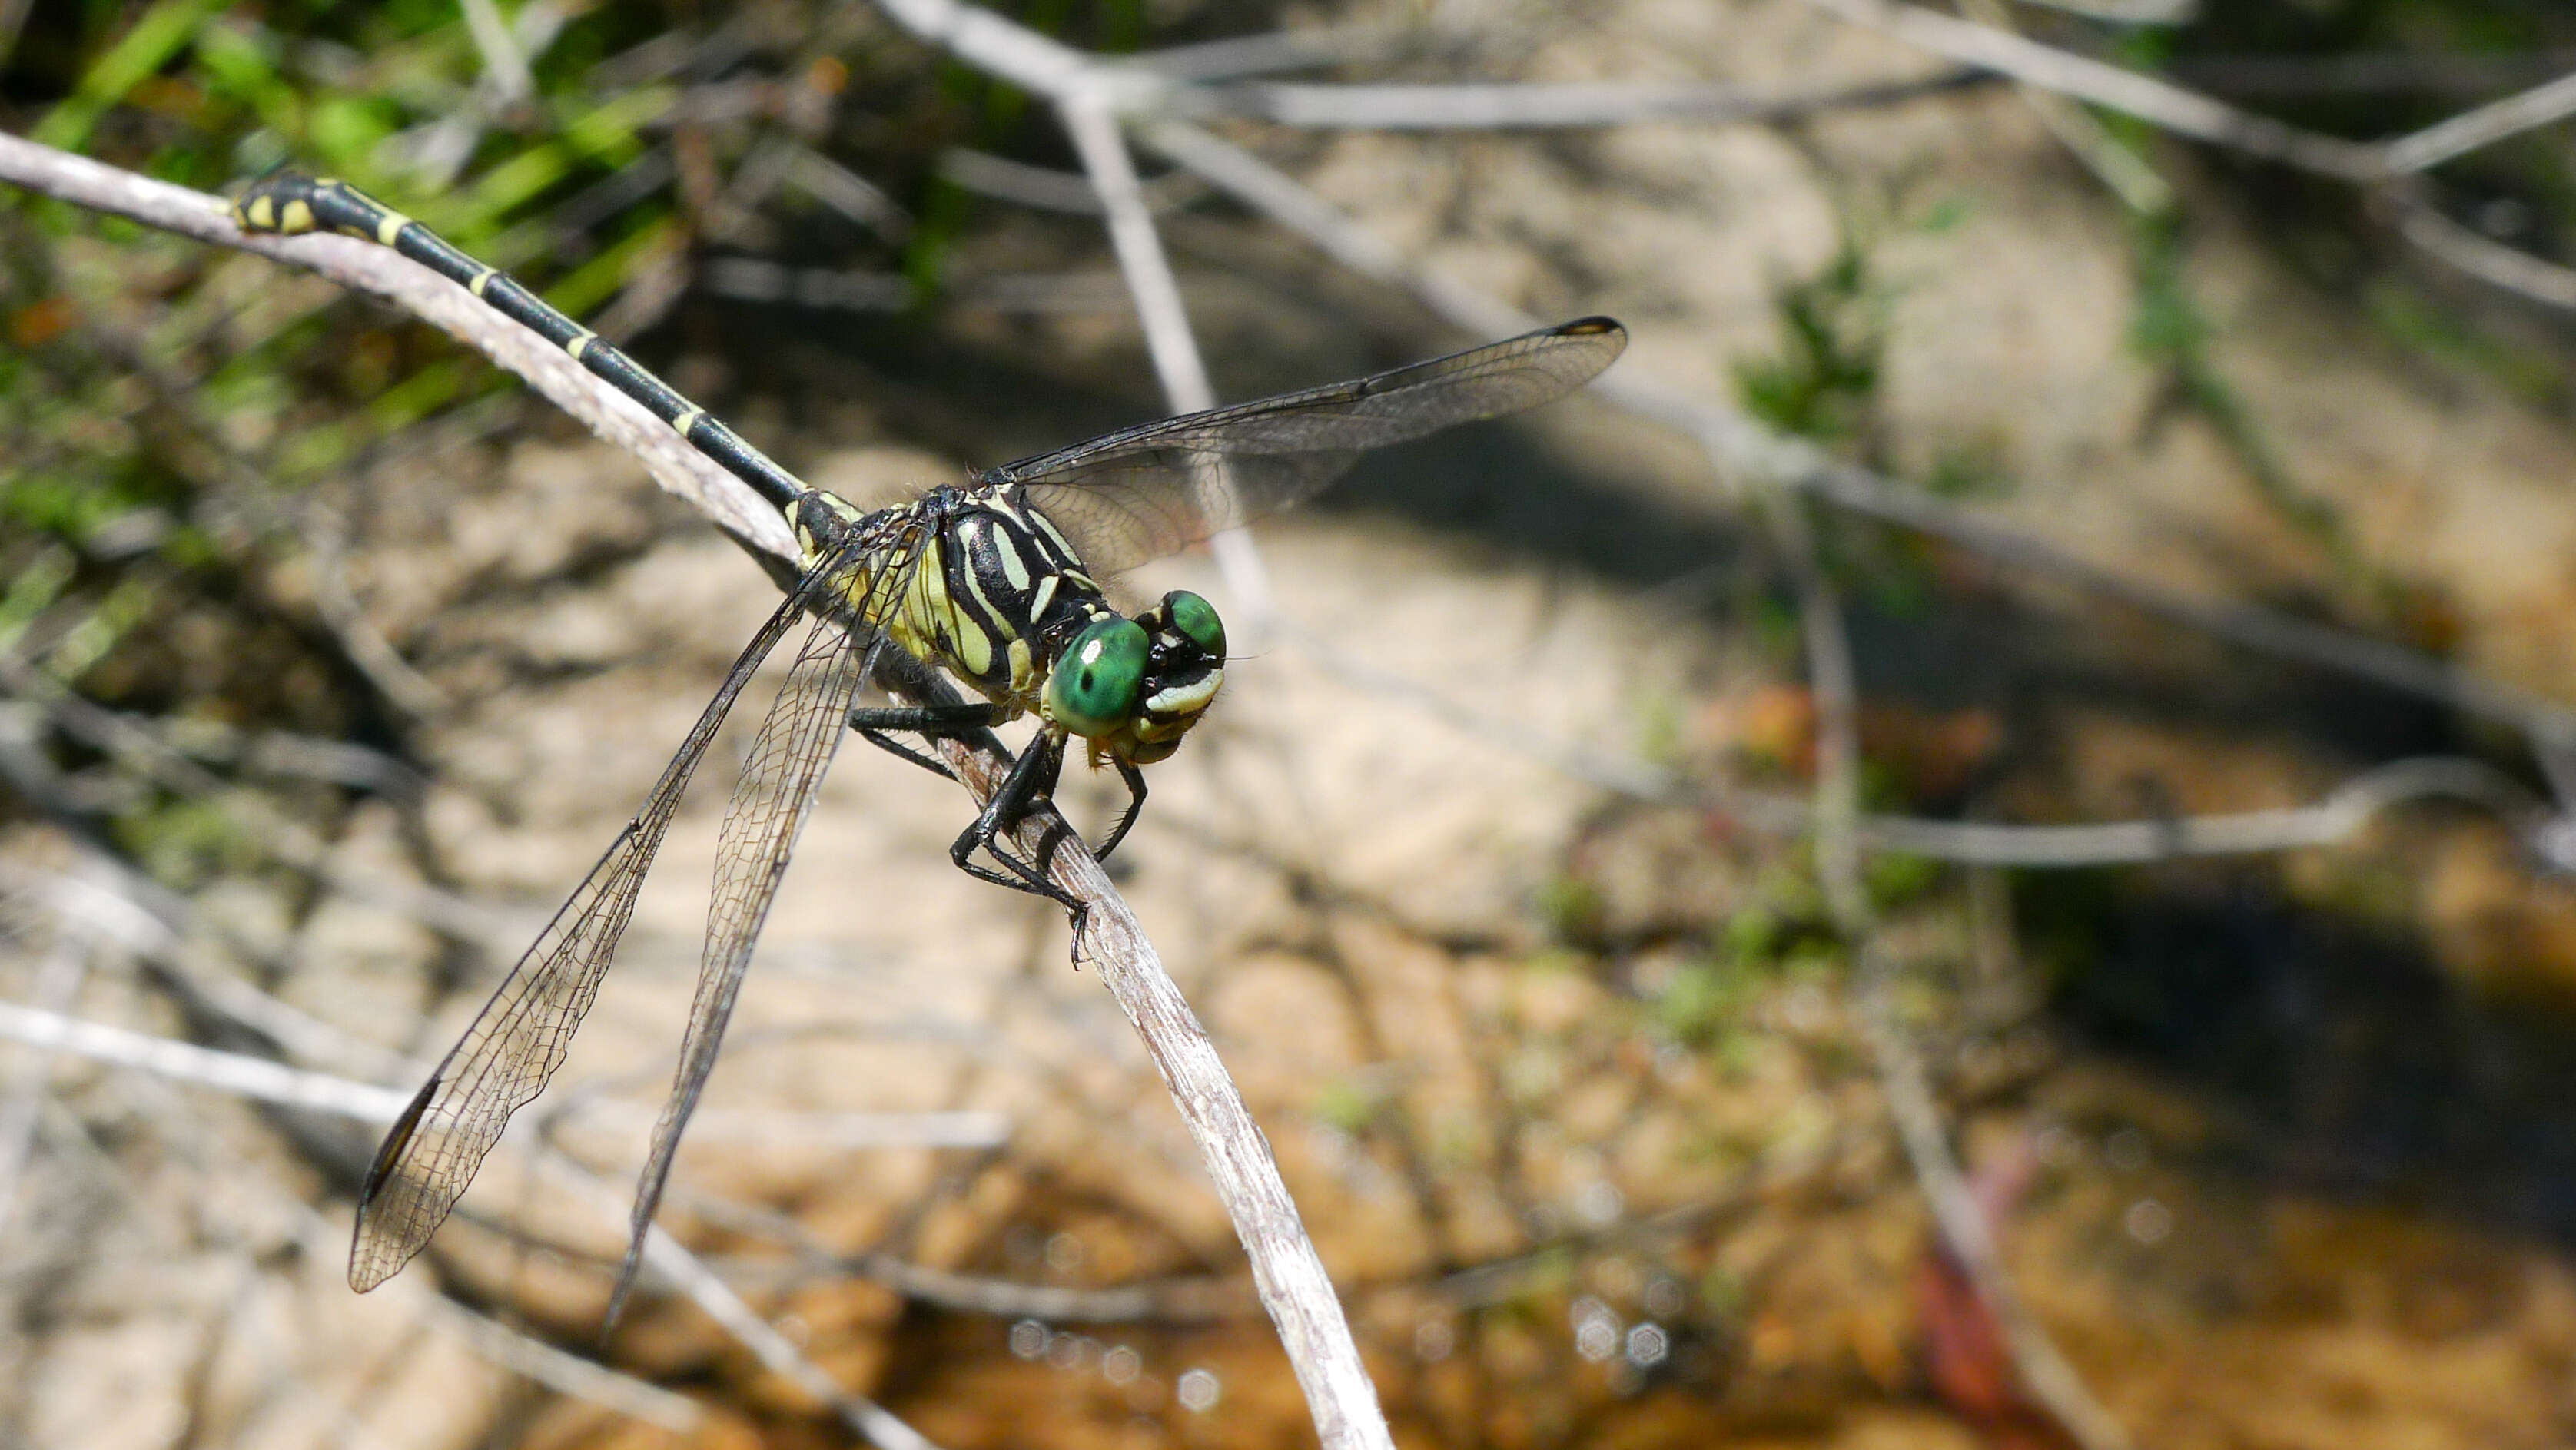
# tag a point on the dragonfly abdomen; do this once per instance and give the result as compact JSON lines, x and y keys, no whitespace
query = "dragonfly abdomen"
{"x":290,"y":202}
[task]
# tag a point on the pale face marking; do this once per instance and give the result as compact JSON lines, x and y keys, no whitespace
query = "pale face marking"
{"x":1190,"y":698}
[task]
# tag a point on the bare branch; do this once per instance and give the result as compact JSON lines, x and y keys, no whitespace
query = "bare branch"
{"x":1159,"y":311}
{"x":568,"y":1374}
{"x":2485,"y":126}
{"x":2130,"y":178}
{"x":2491,"y":262}
{"x":119,"y":907}
{"x":1166,"y":322}
{"x":288,"y":841}
{"x":505,"y":66}
{"x":775,"y":1351}
{"x":250,"y":1077}
{"x":2144,"y":97}
{"x":1277,"y":50}
{"x":1528,"y":107}
{"x":1170,"y":1301}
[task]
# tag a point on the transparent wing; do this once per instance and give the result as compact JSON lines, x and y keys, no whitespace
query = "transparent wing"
{"x":1143,"y":492}
{"x":770,"y":807}
{"x":520,"y":1037}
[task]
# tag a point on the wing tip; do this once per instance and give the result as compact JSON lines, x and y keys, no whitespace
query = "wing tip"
{"x":1595,"y":326}
{"x":369,"y":1263}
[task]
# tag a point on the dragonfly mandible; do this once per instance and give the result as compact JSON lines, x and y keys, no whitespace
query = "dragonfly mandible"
{"x":996,"y":582}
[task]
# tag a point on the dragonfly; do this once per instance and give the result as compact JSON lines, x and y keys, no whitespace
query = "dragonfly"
{"x":996,"y":583}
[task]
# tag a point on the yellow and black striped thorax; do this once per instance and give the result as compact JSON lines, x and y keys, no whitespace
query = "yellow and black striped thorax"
{"x":997,"y":596}
{"x":988,"y":588}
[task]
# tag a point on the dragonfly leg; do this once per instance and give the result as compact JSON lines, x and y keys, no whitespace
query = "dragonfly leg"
{"x":1135,"y":802}
{"x":1032,"y":779}
{"x":927,"y":721}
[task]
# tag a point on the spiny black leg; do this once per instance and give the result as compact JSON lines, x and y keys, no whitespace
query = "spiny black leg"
{"x":898,"y":749}
{"x":928,"y":721}
{"x":1032,"y":778}
{"x":1135,"y":779}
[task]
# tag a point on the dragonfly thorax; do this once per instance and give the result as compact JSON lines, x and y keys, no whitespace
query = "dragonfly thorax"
{"x":982,"y":585}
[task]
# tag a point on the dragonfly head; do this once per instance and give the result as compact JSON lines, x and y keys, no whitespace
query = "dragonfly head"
{"x":1134,"y":687}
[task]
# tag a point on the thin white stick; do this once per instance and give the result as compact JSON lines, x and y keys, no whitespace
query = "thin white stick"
{"x":1165,"y":320}
{"x":1273,"y":193}
{"x":2491,"y":262}
{"x":2145,"y":97}
{"x":258,"y":1077}
{"x":775,"y":1351}
{"x":1275,"y":50}
{"x":250,"y":1077}
{"x":1047,"y":189}
{"x":568,"y":1374}
{"x":1159,"y":310}
{"x":504,"y":64}
{"x":847,"y":192}
{"x":1529,"y":106}
{"x":117,"y":905}
{"x":2128,"y":175}
{"x":2488,"y":124}
{"x":288,"y":840}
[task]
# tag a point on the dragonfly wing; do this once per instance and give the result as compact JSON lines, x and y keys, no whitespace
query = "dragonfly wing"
{"x":519,"y":1038}
{"x":770,"y":806}
{"x":1146,"y":491}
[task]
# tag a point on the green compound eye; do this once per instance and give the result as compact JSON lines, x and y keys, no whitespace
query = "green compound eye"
{"x":1195,"y":618}
{"x":1092,"y":690}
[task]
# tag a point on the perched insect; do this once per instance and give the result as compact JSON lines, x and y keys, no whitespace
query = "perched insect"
{"x":995,"y":583}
